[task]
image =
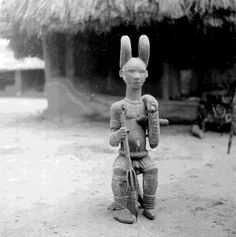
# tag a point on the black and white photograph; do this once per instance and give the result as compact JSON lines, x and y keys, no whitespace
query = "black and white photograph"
{"x":118,"y":118}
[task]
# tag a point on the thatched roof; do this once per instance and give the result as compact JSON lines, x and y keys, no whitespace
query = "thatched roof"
{"x":76,"y":15}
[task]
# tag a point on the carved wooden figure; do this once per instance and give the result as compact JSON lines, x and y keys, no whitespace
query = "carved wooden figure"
{"x":133,"y":119}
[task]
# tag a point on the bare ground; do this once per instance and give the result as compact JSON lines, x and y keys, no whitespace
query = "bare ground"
{"x":55,"y":179}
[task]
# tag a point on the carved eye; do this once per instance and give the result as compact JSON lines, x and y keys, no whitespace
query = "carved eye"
{"x":142,"y":71}
{"x":131,"y":71}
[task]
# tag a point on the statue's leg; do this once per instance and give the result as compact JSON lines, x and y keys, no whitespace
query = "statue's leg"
{"x":150,"y":182}
{"x":119,"y":188}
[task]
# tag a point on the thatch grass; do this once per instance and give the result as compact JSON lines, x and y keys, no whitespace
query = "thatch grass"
{"x":76,"y":15}
{"x":6,"y":29}
{"x":211,"y":5}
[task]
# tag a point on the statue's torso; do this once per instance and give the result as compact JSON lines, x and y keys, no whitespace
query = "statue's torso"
{"x":137,"y":131}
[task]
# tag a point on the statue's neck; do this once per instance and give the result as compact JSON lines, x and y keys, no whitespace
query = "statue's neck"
{"x":133,"y":94}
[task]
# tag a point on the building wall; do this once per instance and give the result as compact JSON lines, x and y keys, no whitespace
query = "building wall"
{"x":33,"y":80}
{"x":30,"y":81}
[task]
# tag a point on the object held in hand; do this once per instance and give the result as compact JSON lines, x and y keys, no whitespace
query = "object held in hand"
{"x":131,"y":178}
{"x":164,"y":122}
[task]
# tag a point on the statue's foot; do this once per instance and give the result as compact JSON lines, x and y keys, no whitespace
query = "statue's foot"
{"x":149,"y":213}
{"x":124,"y":216}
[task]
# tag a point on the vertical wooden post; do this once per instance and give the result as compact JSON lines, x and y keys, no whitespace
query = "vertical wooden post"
{"x":185,"y":77}
{"x":52,"y":73}
{"x":58,"y":63}
{"x":18,"y":83}
{"x":69,"y":57}
{"x":51,"y":55}
{"x":165,"y":81}
{"x":174,"y":83}
{"x":46,"y":56}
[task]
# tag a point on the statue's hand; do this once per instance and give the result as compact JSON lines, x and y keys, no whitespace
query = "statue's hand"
{"x":122,"y":133}
{"x":150,"y":103}
{"x":116,"y":137}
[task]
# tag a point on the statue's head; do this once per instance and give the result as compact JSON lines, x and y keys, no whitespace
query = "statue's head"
{"x":133,"y":70}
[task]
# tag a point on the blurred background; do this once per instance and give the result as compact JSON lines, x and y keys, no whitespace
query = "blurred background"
{"x":193,"y":50}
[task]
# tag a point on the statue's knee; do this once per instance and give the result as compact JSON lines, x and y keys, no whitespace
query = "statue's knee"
{"x":150,"y":181}
{"x":151,"y":171}
{"x":119,"y":186}
{"x":151,"y":175}
{"x":119,"y":172}
{"x":119,"y":177}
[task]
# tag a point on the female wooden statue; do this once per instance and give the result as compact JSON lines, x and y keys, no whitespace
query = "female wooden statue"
{"x":140,"y":118}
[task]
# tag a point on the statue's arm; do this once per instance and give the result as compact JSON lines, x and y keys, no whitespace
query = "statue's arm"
{"x":150,"y":101}
{"x":117,"y":133}
{"x":152,"y":108}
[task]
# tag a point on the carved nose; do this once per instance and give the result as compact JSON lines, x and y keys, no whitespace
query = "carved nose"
{"x":136,"y":76}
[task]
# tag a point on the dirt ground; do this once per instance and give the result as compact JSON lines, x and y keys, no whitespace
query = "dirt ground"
{"x":55,"y":179}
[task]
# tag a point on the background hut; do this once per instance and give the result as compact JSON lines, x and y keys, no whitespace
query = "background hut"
{"x":20,"y":77}
{"x":80,"y":41}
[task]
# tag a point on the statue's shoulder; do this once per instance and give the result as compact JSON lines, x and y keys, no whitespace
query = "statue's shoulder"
{"x":117,"y":105}
{"x":148,"y":97}
{"x":150,"y":100}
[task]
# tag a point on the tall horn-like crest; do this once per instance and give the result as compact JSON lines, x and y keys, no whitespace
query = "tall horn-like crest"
{"x":144,"y":49}
{"x":125,"y":50}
